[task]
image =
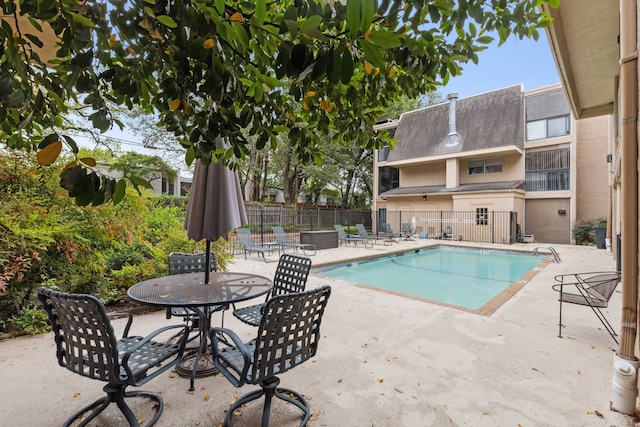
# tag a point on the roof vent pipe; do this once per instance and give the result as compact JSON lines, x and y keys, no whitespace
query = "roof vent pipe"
{"x":453,"y":134}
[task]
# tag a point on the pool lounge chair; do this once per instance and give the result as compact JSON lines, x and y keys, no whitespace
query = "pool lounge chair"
{"x":284,"y":242}
{"x":343,"y":237}
{"x":362,"y":232}
{"x":248,"y":245}
{"x":588,"y":289}
{"x":406,"y":231}
{"x":390,"y":235}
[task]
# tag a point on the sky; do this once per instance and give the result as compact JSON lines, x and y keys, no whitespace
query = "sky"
{"x":525,"y":62}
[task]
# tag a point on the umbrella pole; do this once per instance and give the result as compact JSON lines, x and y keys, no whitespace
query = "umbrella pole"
{"x":207,"y":262}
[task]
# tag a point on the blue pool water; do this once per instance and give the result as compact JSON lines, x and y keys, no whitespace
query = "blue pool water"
{"x":464,"y":277}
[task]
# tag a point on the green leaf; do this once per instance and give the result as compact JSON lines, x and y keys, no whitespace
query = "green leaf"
{"x":190,"y":156}
{"x":261,"y":11}
{"x":137,"y":181}
{"x":368,"y":10}
{"x":72,"y":143}
{"x":353,"y":17}
{"x":485,"y":39}
{"x":346,"y":67}
{"x":119,"y":191}
{"x":167,"y":21}
{"x":83,"y":20}
{"x":385,"y":39}
{"x":220,"y":6}
{"x":372,"y":53}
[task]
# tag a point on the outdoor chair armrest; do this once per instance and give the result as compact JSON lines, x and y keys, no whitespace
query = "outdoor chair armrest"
{"x":146,"y":340}
{"x":129,"y":317}
{"x":218,"y":335}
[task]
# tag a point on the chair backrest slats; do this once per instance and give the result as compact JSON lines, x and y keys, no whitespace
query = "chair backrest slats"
{"x":85,"y":340}
{"x":181,"y":262}
{"x":289,"y":332}
{"x":341,"y":233}
{"x":362,"y":230}
{"x":291,"y":274}
{"x":245,"y":237}
{"x":280,"y":235}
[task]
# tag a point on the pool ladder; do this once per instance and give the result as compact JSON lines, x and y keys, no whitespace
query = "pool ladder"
{"x":550,"y":255}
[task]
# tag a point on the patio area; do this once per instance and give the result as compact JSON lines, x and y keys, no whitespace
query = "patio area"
{"x":383,"y":360}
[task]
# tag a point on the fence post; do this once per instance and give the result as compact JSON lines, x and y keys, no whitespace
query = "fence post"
{"x":262,"y":225}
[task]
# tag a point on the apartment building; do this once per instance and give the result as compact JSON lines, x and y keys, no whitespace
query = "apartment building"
{"x":503,"y":151}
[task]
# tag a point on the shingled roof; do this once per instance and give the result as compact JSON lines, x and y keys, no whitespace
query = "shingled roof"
{"x":441,"y":189}
{"x":489,"y":120}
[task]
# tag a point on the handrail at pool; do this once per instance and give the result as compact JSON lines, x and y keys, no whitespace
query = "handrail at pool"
{"x":551,"y":256}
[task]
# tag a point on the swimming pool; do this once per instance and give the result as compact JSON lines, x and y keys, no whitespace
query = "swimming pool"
{"x":462,"y":277}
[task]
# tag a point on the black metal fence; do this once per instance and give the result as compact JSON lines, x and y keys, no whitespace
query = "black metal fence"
{"x":261,"y":217}
{"x":479,"y":226}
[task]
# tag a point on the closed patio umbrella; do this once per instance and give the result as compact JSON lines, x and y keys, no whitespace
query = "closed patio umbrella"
{"x":215,"y":204}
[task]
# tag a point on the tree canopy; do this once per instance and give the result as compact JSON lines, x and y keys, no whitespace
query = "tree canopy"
{"x":301,"y":68}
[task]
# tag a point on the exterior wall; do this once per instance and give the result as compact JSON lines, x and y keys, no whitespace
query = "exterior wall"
{"x":416,"y":203}
{"x":427,"y":174}
{"x":512,"y":170}
{"x":492,"y":201}
{"x":541,"y":214}
{"x":592,"y":170}
{"x":544,"y":221}
{"x":453,"y":173}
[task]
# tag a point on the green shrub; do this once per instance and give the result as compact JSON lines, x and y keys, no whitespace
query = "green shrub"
{"x":583,"y":233}
{"x":46,"y":240}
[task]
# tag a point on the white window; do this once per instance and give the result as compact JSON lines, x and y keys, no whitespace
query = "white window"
{"x":548,"y":128}
{"x":485,"y":166}
{"x":482,"y":216}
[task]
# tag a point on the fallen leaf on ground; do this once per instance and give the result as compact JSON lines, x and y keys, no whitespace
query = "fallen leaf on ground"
{"x":206,"y":397}
{"x":76,"y":394}
{"x":398,"y":390}
{"x":380,"y":380}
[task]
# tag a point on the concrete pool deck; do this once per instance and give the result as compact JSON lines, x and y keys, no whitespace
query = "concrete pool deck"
{"x":383,"y":360}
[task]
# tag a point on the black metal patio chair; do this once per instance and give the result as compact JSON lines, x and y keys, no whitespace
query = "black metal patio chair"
{"x":86,"y":344}
{"x":288,"y":335}
{"x":291,"y":276}
{"x":183,"y":262}
{"x":588,"y":289}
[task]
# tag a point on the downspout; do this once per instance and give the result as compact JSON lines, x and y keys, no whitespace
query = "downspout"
{"x":625,"y":361}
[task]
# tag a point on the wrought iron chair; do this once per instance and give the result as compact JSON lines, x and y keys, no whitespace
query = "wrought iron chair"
{"x":291,"y":276}
{"x":288,"y":336}
{"x":180,"y":263}
{"x":87,"y":345}
{"x":589,"y":289}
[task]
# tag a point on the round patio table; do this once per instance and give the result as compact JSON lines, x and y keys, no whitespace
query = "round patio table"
{"x":189,"y":290}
